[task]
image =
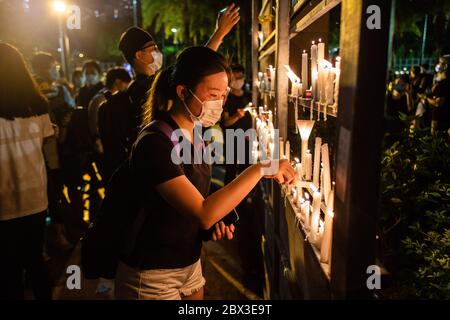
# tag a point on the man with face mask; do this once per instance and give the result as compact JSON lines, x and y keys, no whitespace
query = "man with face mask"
{"x":92,"y":75}
{"x":235,"y":117}
{"x":439,"y":97}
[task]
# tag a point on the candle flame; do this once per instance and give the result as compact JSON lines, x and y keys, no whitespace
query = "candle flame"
{"x":320,"y":39}
{"x":296,"y":160}
{"x":313,"y":42}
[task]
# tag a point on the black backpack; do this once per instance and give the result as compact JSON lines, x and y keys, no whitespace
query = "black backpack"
{"x":121,"y":217}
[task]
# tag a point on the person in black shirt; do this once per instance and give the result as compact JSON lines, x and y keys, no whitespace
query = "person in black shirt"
{"x":439,"y":98}
{"x":235,"y":117}
{"x":92,"y":73}
{"x":165,"y":262}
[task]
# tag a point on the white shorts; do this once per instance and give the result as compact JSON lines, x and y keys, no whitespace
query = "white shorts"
{"x":158,"y":284}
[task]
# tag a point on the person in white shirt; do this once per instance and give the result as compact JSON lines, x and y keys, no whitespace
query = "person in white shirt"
{"x":24,"y":125}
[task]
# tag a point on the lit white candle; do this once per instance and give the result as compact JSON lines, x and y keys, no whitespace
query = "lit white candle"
{"x":307,"y":211}
{"x":266,"y":81}
{"x":320,"y":70}
{"x":315,"y":217}
{"x":329,"y":91}
{"x":321,"y":50}
{"x":304,"y":73}
{"x":308,"y":165}
{"x":299,"y":197}
{"x":272,"y":77}
{"x":298,"y":168}
{"x":316,"y":171}
{"x":288,"y":151}
{"x":281,"y":148}
{"x":324,"y":82}
{"x":314,"y":70}
{"x":304,"y":127}
{"x":325,"y":252}
{"x":326,"y":172}
{"x":336,"y":81}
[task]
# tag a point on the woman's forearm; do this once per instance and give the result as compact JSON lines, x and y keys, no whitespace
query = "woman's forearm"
{"x":221,"y":202}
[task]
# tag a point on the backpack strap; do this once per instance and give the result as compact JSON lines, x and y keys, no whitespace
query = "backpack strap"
{"x":164,"y":128}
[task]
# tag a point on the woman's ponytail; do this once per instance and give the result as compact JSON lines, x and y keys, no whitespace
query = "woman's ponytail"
{"x":161,"y":96}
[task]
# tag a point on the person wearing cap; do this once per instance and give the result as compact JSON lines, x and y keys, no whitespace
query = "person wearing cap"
{"x":142,"y":53}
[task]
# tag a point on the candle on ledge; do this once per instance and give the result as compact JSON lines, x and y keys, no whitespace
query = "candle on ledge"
{"x":272,"y":77}
{"x":320,"y":50}
{"x":308,"y":165}
{"x":299,"y":197}
{"x":294,"y":195}
{"x":315,"y":217}
{"x":314,"y":70}
{"x":320,"y":77}
{"x":327,"y":240}
{"x":304,"y":73}
{"x":298,"y":168}
{"x":304,"y":127}
{"x":306,"y":211}
{"x":336,"y":82}
{"x":281,"y":148}
{"x":288,"y":151}
{"x":316,"y":171}
{"x":326,"y":172}
{"x":329,"y":90}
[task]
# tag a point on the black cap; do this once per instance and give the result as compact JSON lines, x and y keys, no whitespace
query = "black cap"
{"x":133,"y":40}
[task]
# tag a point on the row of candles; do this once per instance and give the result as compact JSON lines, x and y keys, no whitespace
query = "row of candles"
{"x":312,"y":177}
{"x":324,"y":87}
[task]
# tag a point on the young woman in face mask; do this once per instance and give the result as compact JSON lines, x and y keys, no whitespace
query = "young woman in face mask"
{"x":92,"y":75}
{"x":165,"y":261}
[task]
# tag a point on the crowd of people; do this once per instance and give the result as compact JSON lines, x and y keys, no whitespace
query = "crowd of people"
{"x":53,"y":133}
{"x":422,"y":96}
{"x":109,"y":123}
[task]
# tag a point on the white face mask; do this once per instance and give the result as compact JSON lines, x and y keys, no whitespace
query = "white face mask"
{"x":92,"y":79}
{"x":157,"y":60}
{"x":211,"y":111}
{"x":237,"y":84}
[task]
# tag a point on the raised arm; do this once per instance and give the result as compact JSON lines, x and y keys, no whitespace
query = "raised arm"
{"x":225,"y":22}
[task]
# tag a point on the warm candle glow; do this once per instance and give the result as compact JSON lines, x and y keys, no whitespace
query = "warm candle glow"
{"x":305,"y":127}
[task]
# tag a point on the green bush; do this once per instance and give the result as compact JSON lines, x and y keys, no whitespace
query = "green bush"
{"x":414,"y":225}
